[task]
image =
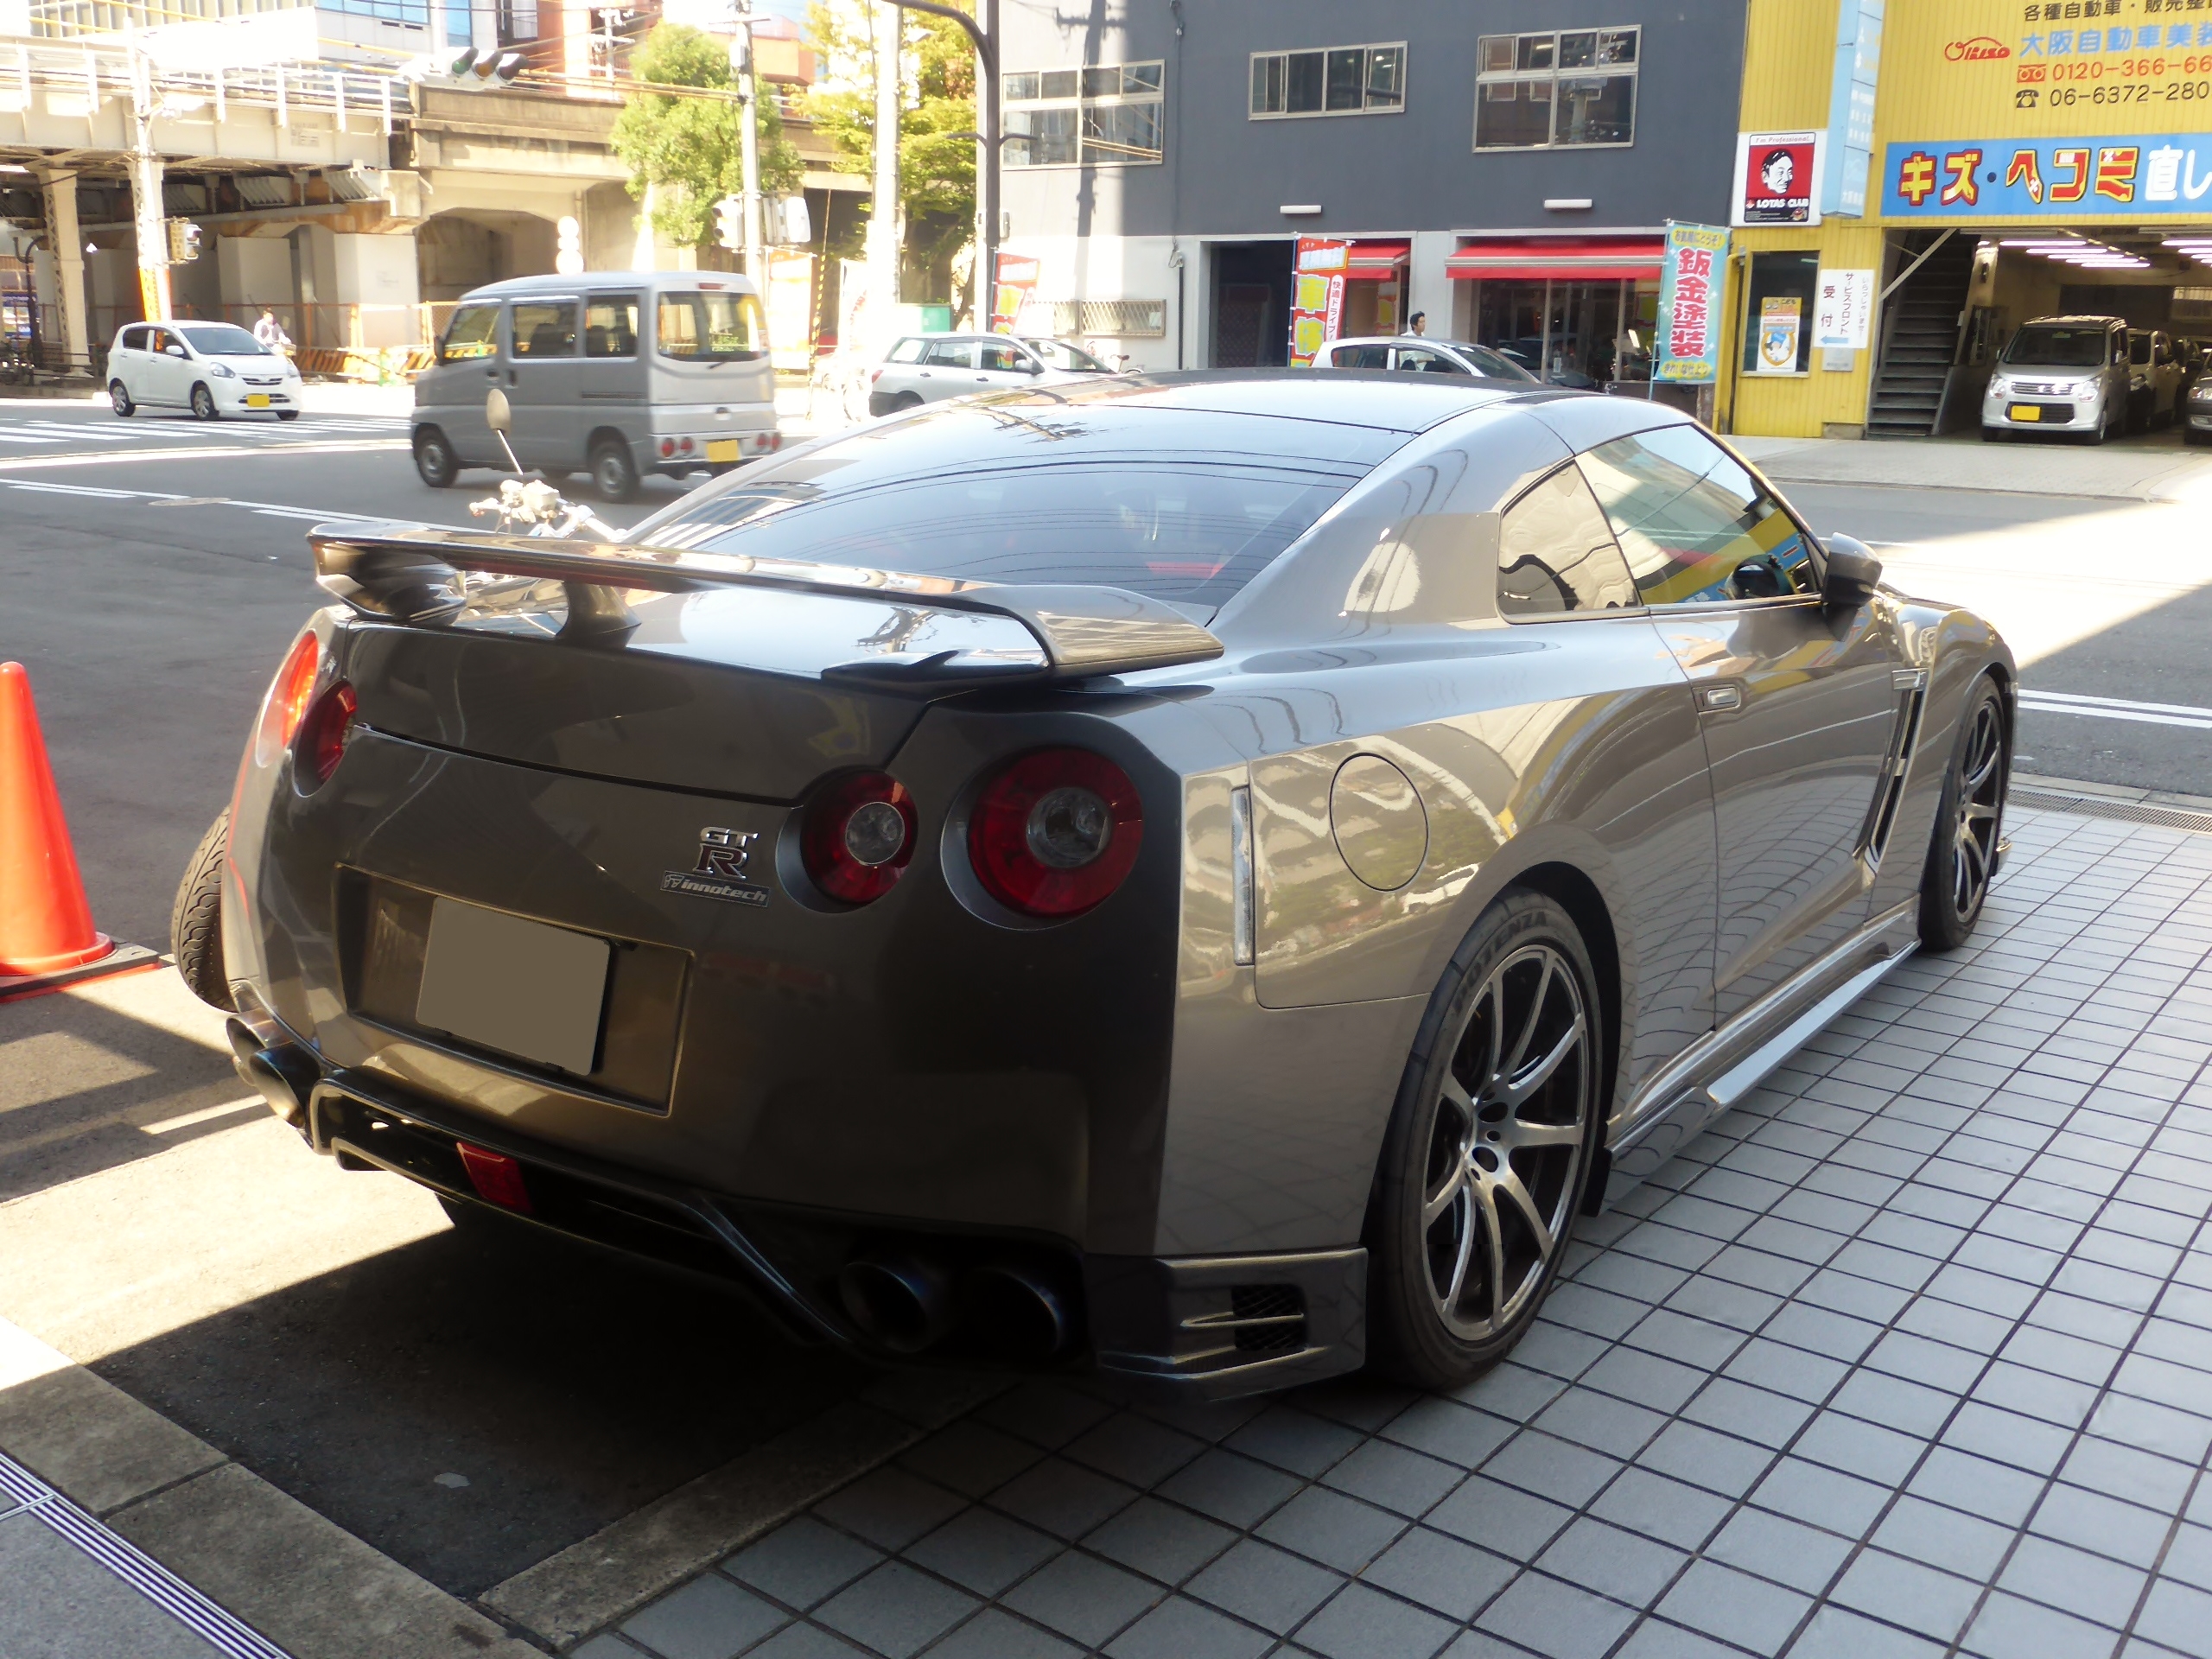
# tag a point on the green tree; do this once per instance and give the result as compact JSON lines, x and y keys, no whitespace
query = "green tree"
{"x":692,"y":148}
{"x":936,"y":170}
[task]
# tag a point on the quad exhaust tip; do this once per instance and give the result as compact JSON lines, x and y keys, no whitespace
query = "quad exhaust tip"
{"x":908,"y":1303}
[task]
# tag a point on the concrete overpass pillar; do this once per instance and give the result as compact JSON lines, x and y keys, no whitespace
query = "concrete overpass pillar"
{"x":68,"y":265}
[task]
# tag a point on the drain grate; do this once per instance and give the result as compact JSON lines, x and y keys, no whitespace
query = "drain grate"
{"x":2092,"y":807}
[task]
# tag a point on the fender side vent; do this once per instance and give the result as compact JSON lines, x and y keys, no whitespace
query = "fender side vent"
{"x":1267,"y":1317}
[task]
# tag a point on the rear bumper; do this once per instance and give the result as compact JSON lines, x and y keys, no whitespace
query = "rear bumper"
{"x":1206,"y":1328}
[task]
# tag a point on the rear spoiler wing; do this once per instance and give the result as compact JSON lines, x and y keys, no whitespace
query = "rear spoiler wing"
{"x":409,"y":574}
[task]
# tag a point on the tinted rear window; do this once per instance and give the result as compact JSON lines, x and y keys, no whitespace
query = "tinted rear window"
{"x":1180,"y":506}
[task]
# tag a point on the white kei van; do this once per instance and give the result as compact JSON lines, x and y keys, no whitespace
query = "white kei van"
{"x":616,"y":373}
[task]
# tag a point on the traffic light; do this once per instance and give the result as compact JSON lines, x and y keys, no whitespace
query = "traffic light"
{"x":792,"y":218}
{"x":467,"y":70}
{"x":184,"y":241}
{"x":729,"y":223}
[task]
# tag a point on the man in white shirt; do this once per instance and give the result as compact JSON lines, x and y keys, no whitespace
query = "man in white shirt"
{"x":271,"y":332}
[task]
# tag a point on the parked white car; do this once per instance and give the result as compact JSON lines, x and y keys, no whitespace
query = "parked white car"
{"x":1419,"y":355}
{"x":928,"y":368}
{"x":213,"y":369}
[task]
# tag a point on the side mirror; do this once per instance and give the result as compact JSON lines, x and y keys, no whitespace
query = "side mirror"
{"x":1033,"y":366}
{"x":1852,"y":572}
{"x":173,"y":349}
{"x":497,"y":414}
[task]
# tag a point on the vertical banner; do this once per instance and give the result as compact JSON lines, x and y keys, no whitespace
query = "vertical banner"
{"x":1687,"y":351}
{"x":1850,"y":107}
{"x":790,"y":309}
{"x":1017,"y":277}
{"x":1782,"y":318}
{"x":154,"y":292}
{"x":1843,"y":310}
{"x":853,"y":305}
{"x":1317,"y":297}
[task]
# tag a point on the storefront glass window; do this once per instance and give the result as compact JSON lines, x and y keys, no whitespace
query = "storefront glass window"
{"x":1780,"y":277}
{"x":1577,"y":86}
{"x":1338,"y":80}
{"x":1107,"y":115}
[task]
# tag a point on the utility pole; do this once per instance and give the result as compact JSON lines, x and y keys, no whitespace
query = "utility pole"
{"x":883,"y":228}
{"x":985,"y":35}
{"x":748,"y":91}
{"x":149,"y":221}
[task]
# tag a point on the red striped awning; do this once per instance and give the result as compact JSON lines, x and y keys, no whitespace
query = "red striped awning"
{"x":1561,"y":259}
{"x":1378,"y":261}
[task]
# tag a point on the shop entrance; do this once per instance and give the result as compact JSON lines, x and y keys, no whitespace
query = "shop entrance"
{"x":1578,"y":313}
{"x":1251,"y":305}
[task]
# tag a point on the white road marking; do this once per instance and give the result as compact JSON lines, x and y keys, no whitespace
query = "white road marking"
{"x":2149,"y":714}
{"x":170,"y":499}
{"x":75,"y":489}
{"x":201,"y":452}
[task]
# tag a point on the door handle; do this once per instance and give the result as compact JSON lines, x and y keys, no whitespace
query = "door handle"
{"x":1720,"y":696}
{"x":510,"y":377}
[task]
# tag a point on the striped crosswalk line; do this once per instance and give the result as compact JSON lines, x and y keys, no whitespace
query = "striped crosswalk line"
{"x":2150,"y":714}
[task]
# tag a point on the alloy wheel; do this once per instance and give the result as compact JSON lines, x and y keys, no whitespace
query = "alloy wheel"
{"x":1974,"y":834}
{"x":1506,"y":1147}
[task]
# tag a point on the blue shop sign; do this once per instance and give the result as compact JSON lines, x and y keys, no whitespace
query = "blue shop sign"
{"x":2149,"y":175}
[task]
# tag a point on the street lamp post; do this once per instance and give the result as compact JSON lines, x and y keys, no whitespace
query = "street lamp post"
{"x":749,"y":93}
{"x":985,"y":34}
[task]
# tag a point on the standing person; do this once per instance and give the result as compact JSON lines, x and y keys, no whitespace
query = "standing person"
{"x":1420,"y":323}
{"x":271,"y":332}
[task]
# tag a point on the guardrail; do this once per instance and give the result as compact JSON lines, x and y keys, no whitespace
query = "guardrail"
{"x":101,"y":70}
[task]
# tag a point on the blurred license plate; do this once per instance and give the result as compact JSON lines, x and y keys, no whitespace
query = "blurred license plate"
{"x":722,"y":448}
{"x":257,"y":400}
{"x":517,"y":986}
{"x":2025,"y":412}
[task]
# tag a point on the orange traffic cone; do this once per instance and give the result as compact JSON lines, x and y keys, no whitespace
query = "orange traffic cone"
{"x":46,"y":926}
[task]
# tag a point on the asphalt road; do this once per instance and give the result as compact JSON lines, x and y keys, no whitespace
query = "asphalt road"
{"x":2130,"y":702}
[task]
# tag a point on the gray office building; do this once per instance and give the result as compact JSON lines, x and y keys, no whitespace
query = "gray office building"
{"x":1506,"y":167}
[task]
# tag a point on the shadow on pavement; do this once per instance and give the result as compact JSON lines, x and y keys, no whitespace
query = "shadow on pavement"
{"x":475,"y":1401}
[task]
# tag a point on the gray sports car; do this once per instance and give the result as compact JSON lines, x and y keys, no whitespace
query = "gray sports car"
{"x":1200,"y":876}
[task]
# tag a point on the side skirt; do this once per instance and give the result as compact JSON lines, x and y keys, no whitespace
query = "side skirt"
{"x":1724,"y":1067}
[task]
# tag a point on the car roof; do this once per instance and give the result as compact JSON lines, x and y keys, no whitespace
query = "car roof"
{"x":568,"y":286}
{"x":1409,"y":339}
{"x":2083,"y":320}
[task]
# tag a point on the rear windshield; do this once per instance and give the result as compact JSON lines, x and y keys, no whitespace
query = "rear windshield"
{"x":1495,"y":364}
{"x":2053,"y":345}
{"x":1061,"y":355}
{"x":221,"y":340}
{"x":1174,"y":529}
{"x":717,"y":326}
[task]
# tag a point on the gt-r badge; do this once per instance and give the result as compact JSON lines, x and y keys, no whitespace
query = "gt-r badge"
{"x":719,"y":873}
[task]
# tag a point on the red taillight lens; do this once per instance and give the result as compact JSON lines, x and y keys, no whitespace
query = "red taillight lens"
{"x":287,"y":700}
{"x":667,"y":446}
{"x":874,"y":375}
{"x":1056,"y":832}
{"x":496,"y":1177}
{"x":858,"y":836}
{"x":323,"y":736}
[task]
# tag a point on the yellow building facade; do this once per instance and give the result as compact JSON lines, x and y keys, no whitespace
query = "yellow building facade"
{"x":2025,"y":158}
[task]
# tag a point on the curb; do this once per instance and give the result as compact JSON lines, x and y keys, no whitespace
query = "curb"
{"x":300,"y":1581}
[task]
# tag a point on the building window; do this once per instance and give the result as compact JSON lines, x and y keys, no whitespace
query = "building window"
{"x":1106,"y":116}
{"x":1341,"y":80}
{"x":1577,"y":86}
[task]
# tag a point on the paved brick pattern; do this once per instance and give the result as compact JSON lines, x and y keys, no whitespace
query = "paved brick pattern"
{"x":1912,"y":1355}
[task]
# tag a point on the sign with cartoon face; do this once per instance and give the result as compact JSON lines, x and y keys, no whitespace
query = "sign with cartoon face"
{"x":1778,"y":178}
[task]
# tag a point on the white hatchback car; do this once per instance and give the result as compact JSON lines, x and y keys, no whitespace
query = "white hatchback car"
{"x":927,"y":368}
{"x":213,"y":369}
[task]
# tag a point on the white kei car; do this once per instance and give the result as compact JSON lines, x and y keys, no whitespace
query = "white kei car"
{"x":213,"y":369}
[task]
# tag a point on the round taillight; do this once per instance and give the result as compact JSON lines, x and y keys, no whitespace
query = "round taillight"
{"x":1056,"y":832}
{"x":323,"y":736}
{"x":667,"y":447}
{"x":859,"y":836}
{"x":685,"y":445}
{"x":287,"y":699}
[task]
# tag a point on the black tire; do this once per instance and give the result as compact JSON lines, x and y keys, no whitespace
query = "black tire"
{"x":435,"y":459}
{"x":119,"y":400}
{"x":203,"y":403}
{"x":905,"y":400}
{"x":1969,"y":819}
{"x":196,"y":919}
{"x":1523,"y":970}
{"x":2192,"y":436}
{"x":614,"y":470}
{"x":288,"y":414}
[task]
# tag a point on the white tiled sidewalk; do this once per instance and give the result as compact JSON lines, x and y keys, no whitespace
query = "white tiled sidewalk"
{"x":1913,"y":1354}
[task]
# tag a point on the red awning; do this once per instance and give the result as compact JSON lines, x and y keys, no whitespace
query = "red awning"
{"x":1562,"y":259}
{"x":1377,"y":261}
